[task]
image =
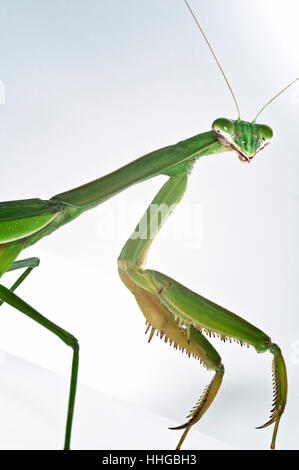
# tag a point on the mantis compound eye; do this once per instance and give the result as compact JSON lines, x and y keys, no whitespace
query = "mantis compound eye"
{"x":265,"y":133}
{"x":223,"y":128}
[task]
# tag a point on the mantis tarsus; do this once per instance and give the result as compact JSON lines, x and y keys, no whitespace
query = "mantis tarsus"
{"x":178,"y":314}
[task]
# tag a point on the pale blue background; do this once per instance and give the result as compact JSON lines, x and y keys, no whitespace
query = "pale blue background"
{"x":90,"y":85}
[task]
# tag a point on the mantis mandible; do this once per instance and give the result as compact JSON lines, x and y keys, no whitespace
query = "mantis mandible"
{"x":179,"y":315}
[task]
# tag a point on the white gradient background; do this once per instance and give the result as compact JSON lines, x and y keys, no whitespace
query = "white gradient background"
{"x":91,"y":85}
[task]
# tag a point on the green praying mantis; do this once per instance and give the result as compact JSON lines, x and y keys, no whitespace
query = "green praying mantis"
{"x":180,"y":316}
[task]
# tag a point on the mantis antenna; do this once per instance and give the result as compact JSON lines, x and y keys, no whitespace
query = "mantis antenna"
{"x":274,"y":98}
{"x":214,"y":55}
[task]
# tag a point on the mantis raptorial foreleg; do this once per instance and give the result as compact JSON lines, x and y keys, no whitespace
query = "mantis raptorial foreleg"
{"x":13,"y":300}
{"x":180,"y":314}
{"x":29,"y":264}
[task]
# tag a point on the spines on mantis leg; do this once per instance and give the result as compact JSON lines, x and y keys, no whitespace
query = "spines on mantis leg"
{"x":160,"y":321}
{"x":202,"y":405}
{"x":205,"y":314}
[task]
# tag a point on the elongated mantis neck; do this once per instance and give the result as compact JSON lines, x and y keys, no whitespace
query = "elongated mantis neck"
{"x":172,"y":160}
{"x":158,"y":162}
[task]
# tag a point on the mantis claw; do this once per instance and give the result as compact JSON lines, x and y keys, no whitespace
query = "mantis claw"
{"x":202,"y":405}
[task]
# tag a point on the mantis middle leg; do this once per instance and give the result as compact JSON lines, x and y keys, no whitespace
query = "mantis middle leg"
{"x":180,"y":315}
{"x":29,"y":264}
{"x":7,"y":296}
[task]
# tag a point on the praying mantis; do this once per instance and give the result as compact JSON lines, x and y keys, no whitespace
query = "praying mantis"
{"x":180,"y":316}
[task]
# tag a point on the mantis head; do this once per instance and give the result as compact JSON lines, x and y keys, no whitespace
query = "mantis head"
{"x":244,"y":137}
